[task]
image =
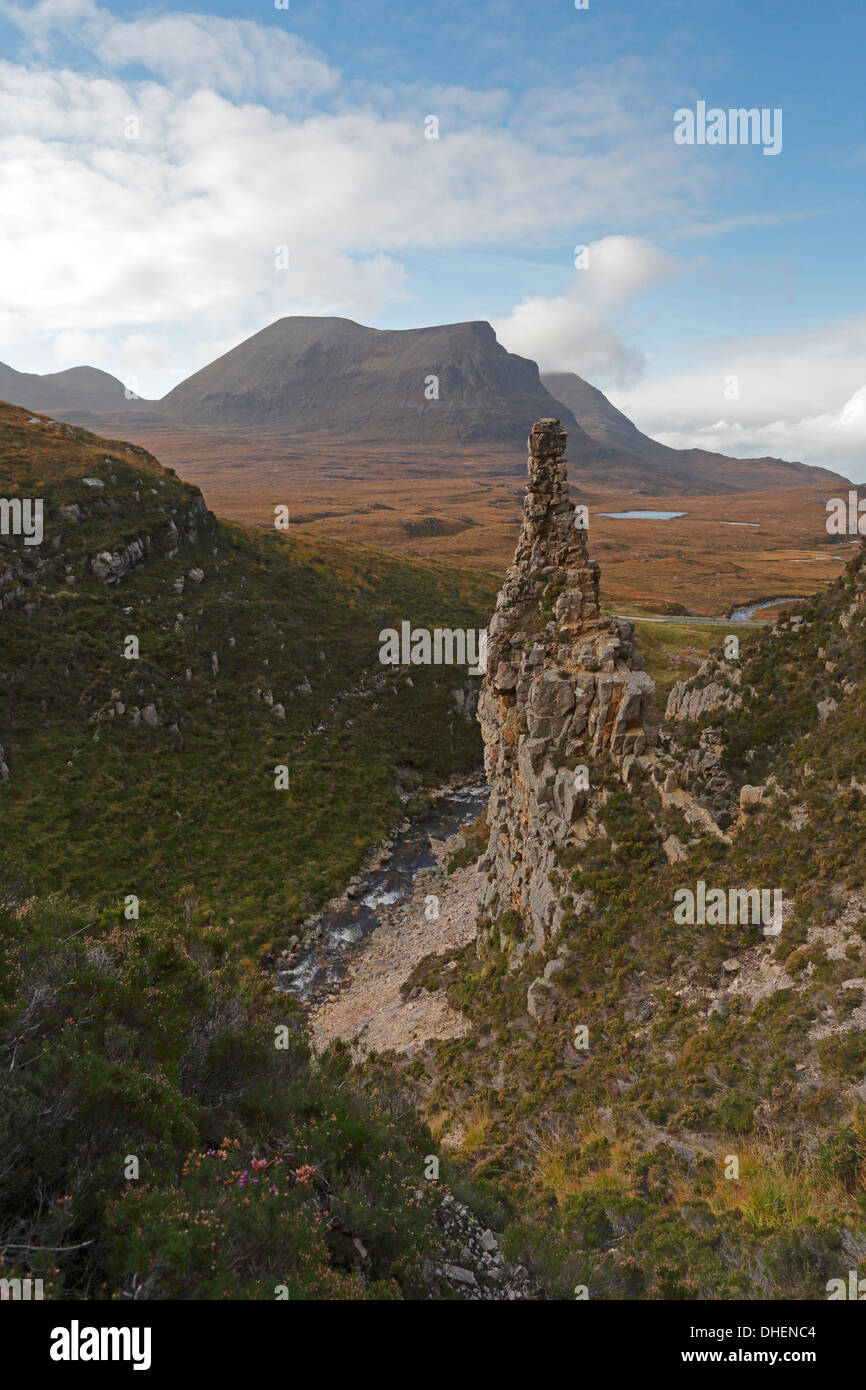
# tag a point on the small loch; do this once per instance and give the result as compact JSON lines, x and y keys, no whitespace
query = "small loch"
{"x":642,"y":514}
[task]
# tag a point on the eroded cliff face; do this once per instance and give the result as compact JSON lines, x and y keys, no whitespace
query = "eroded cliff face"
{"x":565,"y":690}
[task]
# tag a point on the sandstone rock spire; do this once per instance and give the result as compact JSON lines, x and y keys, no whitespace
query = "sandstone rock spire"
{"x":565,"y":689}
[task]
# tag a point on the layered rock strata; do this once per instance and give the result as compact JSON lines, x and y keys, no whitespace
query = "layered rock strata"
{"x":565,"y":690}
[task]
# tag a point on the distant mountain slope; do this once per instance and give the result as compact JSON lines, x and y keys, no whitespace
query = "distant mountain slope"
{"x":601,"y":420}
{"x":76,"y":391}
{"x":612,"y":430}
{"x":336,"y":376}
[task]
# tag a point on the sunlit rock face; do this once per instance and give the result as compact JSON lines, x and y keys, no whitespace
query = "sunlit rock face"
{"x":565,"y":688}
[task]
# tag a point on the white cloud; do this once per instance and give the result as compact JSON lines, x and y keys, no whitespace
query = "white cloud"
{"x":236,"y":57}
{"x":799,"y":396}
{"x":743,"y":397}
{"x":835,"y":438}
{"x":565,"y":334}
{"x":46,"y":15}
{"x":142,"y":352}
{"x":142,"y":252}
{"x":571,"y":332}
{"x":73,"y":347}
{"x":103,"y":233}
{"x":619,"y":267}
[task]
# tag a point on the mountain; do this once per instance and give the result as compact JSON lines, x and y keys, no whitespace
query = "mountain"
{"x":448,"y":388}
{"x":334,"y":376}
{"x":690,"y":469}
{"x":69,"y":394}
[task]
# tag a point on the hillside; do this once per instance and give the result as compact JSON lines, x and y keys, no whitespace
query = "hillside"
{"x":697,"y":470}
{"x":254,"y":651}
{"x":149,"y":860}
{"x":623,"y":1101}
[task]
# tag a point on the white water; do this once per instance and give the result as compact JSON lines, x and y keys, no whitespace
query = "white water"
{"x":740,"y":614}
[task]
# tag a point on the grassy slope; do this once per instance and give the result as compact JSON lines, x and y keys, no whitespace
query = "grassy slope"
{"x":674,"y":651}
{"x":103,"y":809}
{"x":256,"y":1167}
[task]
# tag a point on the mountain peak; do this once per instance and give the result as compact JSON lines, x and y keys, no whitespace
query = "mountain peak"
{"x":446,"y":384}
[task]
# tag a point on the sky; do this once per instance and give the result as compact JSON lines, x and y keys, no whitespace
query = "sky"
{"x":174,"y":178}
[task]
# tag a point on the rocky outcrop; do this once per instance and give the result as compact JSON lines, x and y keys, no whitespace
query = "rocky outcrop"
{"x":692,"y":699}
{"x":705,"y":699}
{"x":111,"y":567}
{"x":565,"y":688}
{"x":542,"y":997}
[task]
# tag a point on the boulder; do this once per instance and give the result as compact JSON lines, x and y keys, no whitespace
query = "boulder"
{"x":750,"y":797}
{"x":674,"y":849}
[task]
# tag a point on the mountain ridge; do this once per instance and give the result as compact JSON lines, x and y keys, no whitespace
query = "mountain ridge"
{"x":74,"y":390}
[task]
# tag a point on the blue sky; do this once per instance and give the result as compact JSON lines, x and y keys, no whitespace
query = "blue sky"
{"x":149,"y":251}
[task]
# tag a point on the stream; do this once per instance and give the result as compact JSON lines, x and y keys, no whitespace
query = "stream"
{"x":322,"y":958}
{"x":741,"y":614}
